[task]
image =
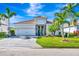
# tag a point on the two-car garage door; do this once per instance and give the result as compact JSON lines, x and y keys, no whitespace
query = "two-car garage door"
{"x":25,"y":30}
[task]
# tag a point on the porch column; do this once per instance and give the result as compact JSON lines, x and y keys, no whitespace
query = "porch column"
{"x":36,"y":30}
{"x":40,"y":30}
{"x":44,"y":30}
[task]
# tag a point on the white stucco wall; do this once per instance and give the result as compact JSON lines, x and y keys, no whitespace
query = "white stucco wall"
{"x":41,"y":21}
{"x":72,"y":29}
{"x":57,"y":32}
{"x":4,"y":21}
{"x":25,"y":29}
{"x":66,"y":30}
{"x":4,"y":25}
{"x":4,"y":28}
{"x":47,"y":29}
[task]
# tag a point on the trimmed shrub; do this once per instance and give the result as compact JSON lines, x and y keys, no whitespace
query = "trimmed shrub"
{"x":72,"y":35}
{"x":12,"y":32}
{"x":50,"y":35}
{"x":66,"y":35}
{"x":3,"y":35}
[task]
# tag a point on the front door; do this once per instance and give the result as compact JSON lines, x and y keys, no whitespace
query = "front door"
{"x":40,"y":30}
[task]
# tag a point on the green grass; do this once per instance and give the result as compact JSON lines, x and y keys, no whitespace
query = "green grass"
{"x":58,"y":42}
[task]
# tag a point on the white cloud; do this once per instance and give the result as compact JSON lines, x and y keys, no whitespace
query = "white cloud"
{"x":51,"y":13}
{"x":16,"y":18}
{"x":34,"y":9}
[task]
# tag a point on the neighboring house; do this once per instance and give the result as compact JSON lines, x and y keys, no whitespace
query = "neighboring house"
{"x":69,"y":29}
{"x":36,"y":27}
{"x":4,"y":25}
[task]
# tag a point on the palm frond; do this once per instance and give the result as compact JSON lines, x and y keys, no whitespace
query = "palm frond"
{"x":5,"y":16}
{"x":69,"y":6}
{"x":8,"y":11}
{"x":12,"y":14}
{"x":75,"y":4}
{"x":1,"y":16}
{"x":67,"y":22}
{"x":59,"y":15}
{"x":64,"y":8}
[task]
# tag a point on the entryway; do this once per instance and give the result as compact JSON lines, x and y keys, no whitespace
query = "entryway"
{"x":40,"y":30}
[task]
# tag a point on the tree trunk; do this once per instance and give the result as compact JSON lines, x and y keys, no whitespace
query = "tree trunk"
{"x":69,"y":32}
{"x":8,"y":27}
{"x":54,"y":33}
{"x":62,"y":31}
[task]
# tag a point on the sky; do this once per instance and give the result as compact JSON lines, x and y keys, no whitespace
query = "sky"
{"x":27,"y":11}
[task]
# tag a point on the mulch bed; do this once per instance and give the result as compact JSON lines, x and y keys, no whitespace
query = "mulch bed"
{"x":66,"y":40}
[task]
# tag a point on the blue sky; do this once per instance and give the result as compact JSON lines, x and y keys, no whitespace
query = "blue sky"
{"x":27,"y":11}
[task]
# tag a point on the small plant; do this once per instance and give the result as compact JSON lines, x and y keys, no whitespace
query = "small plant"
{"x":38,"y":37}
{"x":3,"y":35}
{"x":76,"y":32}
{"x":12,"y":32}
{"x":72,"y":35}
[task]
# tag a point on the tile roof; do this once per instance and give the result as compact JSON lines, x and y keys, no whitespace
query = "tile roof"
{"x":26,"y":22}
{"x":30,"y":22}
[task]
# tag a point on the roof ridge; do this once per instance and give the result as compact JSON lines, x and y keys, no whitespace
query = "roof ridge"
{"x":30,"y":22}
{"x":24,"y":21}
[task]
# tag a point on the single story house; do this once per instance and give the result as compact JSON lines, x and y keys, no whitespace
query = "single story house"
{"x":36,"y":27}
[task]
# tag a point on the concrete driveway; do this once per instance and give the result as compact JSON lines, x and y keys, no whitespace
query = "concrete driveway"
{"x":18,"y":42}
{"x":28,"y":47}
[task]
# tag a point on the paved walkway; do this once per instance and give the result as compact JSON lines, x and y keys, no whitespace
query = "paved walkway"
{"x":28,"y":47}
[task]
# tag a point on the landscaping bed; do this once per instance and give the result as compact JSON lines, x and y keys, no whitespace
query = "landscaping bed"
{"x":58,"y":42}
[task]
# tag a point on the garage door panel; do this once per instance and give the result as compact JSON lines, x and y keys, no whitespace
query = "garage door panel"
{"x":25,"y":32}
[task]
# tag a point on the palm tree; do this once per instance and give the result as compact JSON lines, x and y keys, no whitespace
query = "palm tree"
{"x":69,"y":10}
{"x":70,"y":13}
{"x":8,"y":15}
{"x":60,"y":17}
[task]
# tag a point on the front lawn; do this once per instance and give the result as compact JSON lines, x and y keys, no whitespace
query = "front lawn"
{"x":57,"y":42}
